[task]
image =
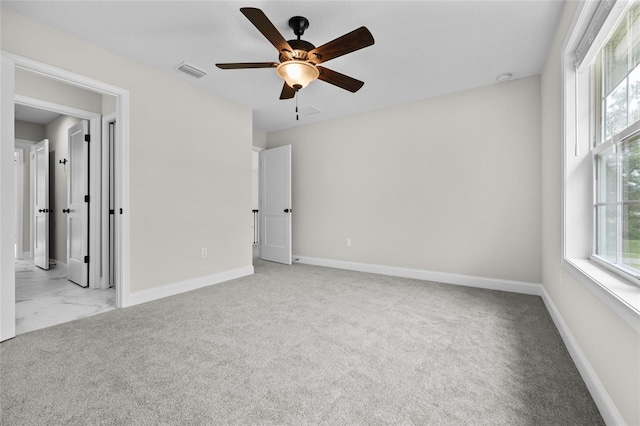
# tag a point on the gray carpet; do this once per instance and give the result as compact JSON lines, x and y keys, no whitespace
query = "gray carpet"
{"x":301,"y":345}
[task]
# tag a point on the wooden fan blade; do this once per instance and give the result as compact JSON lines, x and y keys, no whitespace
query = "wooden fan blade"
{"x":343,"y":81}
{"x":350,"y":42}
{"x":264,"y":25}
{"x":241,"y":65}
{"x":287,"y":92}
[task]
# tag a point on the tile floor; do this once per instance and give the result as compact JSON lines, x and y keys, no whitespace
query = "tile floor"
{"x":46,"y":298}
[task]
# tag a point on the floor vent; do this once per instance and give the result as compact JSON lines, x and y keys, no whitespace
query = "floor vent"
{"x":191,"y":70}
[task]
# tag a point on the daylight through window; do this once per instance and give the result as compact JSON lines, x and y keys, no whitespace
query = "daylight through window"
{"x":616,"y":151}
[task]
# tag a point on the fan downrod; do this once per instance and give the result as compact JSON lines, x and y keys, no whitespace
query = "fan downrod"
{"x":298,"y":24}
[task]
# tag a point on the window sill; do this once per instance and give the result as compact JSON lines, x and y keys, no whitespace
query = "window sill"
{"x":620,"y":295}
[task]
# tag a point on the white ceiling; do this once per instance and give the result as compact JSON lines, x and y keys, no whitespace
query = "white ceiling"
{"x":34,"y":115}
{"x":422,"y":48}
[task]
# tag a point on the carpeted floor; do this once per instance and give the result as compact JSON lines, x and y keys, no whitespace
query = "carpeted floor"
{"x":301,"y":345}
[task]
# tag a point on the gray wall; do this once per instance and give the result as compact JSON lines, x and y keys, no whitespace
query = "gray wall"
{"x":179,"y":202}
{"x":36,"y":86}
{"x":450,"y":184}
{"x":610,"y":345}
{"x":29,"y":131}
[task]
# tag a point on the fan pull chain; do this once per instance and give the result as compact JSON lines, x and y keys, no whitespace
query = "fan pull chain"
{"x":297,"y":105}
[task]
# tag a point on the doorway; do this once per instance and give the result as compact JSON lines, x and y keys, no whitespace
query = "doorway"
{"x":9,"y":63}
{"x":51,"y":285}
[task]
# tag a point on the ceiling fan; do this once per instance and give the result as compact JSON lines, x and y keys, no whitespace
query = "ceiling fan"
{"x":299,"y":59}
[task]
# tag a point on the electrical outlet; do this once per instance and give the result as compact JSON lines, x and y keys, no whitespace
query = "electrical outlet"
{"x":348,"y":242}
{"x":204,"y":252}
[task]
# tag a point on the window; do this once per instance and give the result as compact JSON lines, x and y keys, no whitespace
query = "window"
{"x":601,"y":153}
{"x":616,"y":150}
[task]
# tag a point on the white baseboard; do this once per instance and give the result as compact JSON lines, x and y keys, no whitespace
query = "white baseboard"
{"x":419,"y":274}
{"x":188,"y":285}
{"x":600,"y":396}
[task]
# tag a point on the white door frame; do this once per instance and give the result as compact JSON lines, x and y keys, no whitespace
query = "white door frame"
{"x":27,"y":146}
{"x":8,"y":64}
{"x":41,"y":201}
{"x":95,"y":188}
{"x":106,"y":280}
{"x":19,"y":197}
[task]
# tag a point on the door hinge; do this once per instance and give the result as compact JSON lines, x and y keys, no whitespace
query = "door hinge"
{"x":87,"y":138}
{"x":86,"y":259}
{"x":86,"y":198}
{"x":112,"y":211}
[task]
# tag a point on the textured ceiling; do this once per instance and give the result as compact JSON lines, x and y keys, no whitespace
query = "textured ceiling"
{"x":422,"y":48}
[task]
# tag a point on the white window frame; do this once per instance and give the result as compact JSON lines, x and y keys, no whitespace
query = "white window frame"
{"x":579,"y":132}
{"x":601,"y":145}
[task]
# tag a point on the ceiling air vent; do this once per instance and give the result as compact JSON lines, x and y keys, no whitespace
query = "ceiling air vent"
{"x":308,"y":110}
{"x":191,"y":70}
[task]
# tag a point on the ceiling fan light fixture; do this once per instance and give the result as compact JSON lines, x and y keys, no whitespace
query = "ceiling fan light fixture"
{"x":297,"y":73}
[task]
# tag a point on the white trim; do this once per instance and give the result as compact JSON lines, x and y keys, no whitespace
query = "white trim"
{"x":32,"y":201}
{"x":577,"y":182}
{"x":66,"y":77}
{"x":123,"y":221}
{"x":123,"y":110}
{"x":144,"y":296}
{"x":51,"y":106}
{"x":7,"y":221}
{"x":28,"y":147}
{"x":104,"y":215}
{"x":94,"y":179}
{"x":7,"y":85}
{"x":25,"y":144}
{"x":421,"y":274}
{"x":19,"y":202}
{"x":600,"y":396}
{"x":621,"y":297}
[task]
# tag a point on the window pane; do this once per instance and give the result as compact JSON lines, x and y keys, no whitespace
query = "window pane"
{"x":616,"y":110}
{"x":634,"y":95}
{"x":631,"y":236}
{"x":631,"y":170}
{"x":607,"y":231}
{"x":634,"y":33}
{"x":607,"y":184}
{"x":616,"y":53}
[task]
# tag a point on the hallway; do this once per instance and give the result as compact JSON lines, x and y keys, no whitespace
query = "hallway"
{"x":46,"y":298}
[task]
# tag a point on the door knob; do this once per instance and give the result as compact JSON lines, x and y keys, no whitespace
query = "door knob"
{"x":66,"y":211}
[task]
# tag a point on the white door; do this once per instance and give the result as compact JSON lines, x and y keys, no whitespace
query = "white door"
{"x":40,"y":164}
{"x":78,"y":205}
{"x":275,"y":204}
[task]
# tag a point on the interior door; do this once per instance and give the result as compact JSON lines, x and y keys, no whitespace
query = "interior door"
{"x":275,"y":204}
{"x":78,"y":205}
{"x":40,"y":164}
{"x":112,"y":204}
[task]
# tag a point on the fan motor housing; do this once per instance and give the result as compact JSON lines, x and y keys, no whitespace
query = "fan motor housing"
{"x":300,"y":50}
